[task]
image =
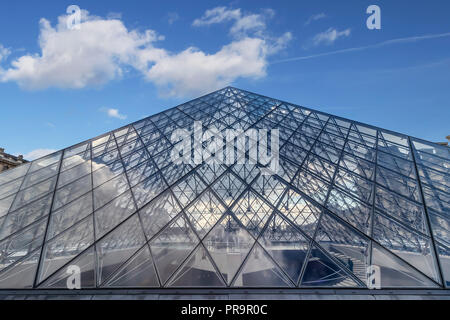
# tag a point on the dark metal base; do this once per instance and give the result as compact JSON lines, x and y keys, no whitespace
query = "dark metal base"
{"x":227,"y":294}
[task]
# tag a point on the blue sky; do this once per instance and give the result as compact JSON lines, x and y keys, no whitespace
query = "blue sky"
{"x":133,"y":58}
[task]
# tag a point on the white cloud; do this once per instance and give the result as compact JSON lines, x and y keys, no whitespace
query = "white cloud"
{"x":315,"y":17}
{"x":330,"y":36}
{"x":38,"y":153}
{"x":103,"y":50}
{"x":4,"y":52}
{"x":217,"y":15}
{"x":172,"y":17}
{"x":243,"y":23}
{"x":113,"y":113}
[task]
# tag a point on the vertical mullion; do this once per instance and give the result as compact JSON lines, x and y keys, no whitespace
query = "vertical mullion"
{"x":38,"y":270}
{"x":434,"y":251}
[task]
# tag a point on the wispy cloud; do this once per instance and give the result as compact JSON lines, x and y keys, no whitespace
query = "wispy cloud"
{"x":113,"y":113}
{"x":315,"y":17}
{"x":4,"y":52}
{"x":373,"y":46}
{"x":329,"y":36}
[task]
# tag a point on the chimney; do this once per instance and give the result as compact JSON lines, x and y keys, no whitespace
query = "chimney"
{"x":2,"y":150}
{"x":20,"y":157}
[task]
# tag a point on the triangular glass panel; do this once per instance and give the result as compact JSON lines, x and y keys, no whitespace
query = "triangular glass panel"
{"x":25,"y":216}
{"x":345,"y":245}
{"x":197,"y":271}
{"x":158,"y":213}
{"x":21,"y":244}
{"x":228,"y":188}
{"x":171,"y":247}
{"x":20,"y":275}
{"x":204,"y":212}
{"x":300,"y":211}
{"x":252,"y":212}
{"x":259,"y":270}
{"x":67,"y":216}
{"x":109,"y":216}
{"x":138,"y":272}
{"x":118,"y":246}
{"x":286,"y":245}
{"x":321,"y":271}
{"x":64,"y":278}
{"x":395,"y":273}
{"x":270,"y":188}
{"x":410,"y":246}
{"x":60,"y":250}
{"x":228,"y":244}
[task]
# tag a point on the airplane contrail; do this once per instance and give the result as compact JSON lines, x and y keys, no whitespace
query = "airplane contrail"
{"x":377,"y":45}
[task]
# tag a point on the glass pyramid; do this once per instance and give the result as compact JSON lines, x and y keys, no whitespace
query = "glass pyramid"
{"x":351,"y":205}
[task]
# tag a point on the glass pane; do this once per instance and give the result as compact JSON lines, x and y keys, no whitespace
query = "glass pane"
{"x":149,"y":189}
{"x":394,"y":273}
{"x":204,"y":212}
{"x":103,"y":172}
{"x":287,"y":246}
{"x":188,"y":189}
{"x":130,"y":161}
{"x":25,"y":216}
{"x":411,"y":247}
{"x":41,"y":175}
{"x":252,"y":212}
{"x":113,"y":213}
{"x":12,"y":174}
{"x":26,"y":196}
{"x":141,"y":172}
{"x":72,"y":191}
{"x":158,"y":213}
{"x":270,"y":188}
{"x":228,"y":244}
{"x":355,"y":185}
{"x":139,"y":272}
{"x":321,"y":271}
{"x":300,"y":211}
{"x":45,"y":162}
{"x":407,"y":211}
{"x":118,"y":246}
{"x":311,"y":186}
{"x":171,"y":247}
{"x":5,"y":204}
{"x":344,"y":244}
{"x":197,"y":271}
{"x":20,"y":245}
{"x":441,"y":227}
{"x":400,"y":184}
{"x":434,"y":179}
{"x":75,"y":160}
{"x":63,"y":280}
{"x":396,"y":164}
{"x":351,"y":210}
{"x":444,"y":257}
{"x":10,"y":188}
{"x":109,"y":190}
{"x":228,"y":188}
{"x":70,"y":214}
{"x":20,"y":276}
{"x":319,"y":167}
{"x":260,"y":271}
{"x":60,"y":250}
{"x":74,"y":173}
